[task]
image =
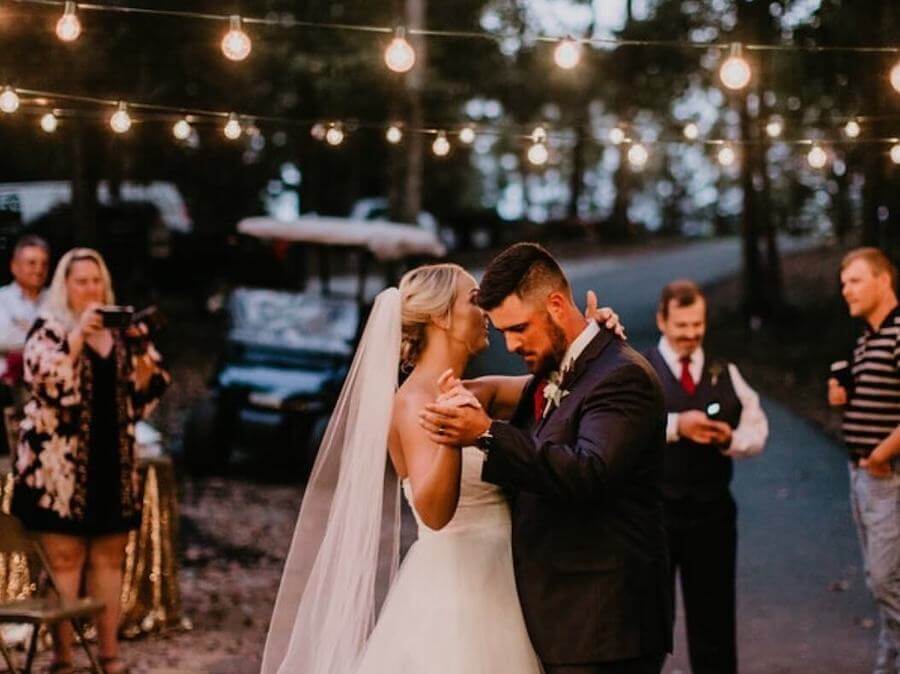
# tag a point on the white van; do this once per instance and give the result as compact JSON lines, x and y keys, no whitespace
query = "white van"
{"x":33,"y":199}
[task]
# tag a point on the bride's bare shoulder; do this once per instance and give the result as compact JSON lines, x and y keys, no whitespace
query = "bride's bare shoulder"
{"x":405,"y":430}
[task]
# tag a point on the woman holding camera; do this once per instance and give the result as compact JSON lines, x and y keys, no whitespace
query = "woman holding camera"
{"x":76,"y":482}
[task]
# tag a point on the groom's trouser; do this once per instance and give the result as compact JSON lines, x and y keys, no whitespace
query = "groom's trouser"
{"x":646,"y":665}
{"x":703,"y":549}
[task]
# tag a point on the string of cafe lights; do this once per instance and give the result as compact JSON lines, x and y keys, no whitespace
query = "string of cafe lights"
{"x":399,"y":56}
{"x":234,"y":125}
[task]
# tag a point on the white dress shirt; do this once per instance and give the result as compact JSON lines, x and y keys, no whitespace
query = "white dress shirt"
{"x":18,"y":313}
{"x":749,"y":438}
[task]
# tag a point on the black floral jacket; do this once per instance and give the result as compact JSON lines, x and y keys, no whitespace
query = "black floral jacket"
{"x":53,"y":437}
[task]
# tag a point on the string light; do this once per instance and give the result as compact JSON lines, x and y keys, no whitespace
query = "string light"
{"x":638,"y":156}
{"x":567,"y":53}
{"x":9,"y":100}
{"x":774,"y":127}
{"x":335,"y":135}
{"x":182,"y":129}
{"x":735,"y":72}
{"x":394,"y":134}
{"x":852,"y":129}
{"x":539,"y":135}
{"x":895,"y":153}
{"x":400,"y":55}
{"x":467,"y":135}
{"x":817,"y":157}
{"x":441,"y":146}
{"x":726,"y":155}
{"x":49,"y":122}
{"x":538,"y":154}
{"x":232,"y":128}
{"x":68,"y":28}
{"x":691,"y":131}
{"x":120,"y":121}
{"x":616,"y":135}
{"x":895,"y":77}
{"x":236,"y":44}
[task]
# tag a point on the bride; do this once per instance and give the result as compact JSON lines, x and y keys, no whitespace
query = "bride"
{"x":452,"y":608}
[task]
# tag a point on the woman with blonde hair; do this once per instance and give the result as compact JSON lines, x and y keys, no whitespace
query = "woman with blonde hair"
{"x":452,"y":607}
{"x":76,"y":470}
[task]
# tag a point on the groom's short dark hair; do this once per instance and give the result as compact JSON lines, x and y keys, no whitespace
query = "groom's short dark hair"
{"x":521,"y":269}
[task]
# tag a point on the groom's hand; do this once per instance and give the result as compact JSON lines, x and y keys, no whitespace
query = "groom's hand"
{"x":451,"y":425}
{"x":603,"y":315}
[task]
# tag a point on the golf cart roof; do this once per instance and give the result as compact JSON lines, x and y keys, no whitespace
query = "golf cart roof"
{"x":296,"y":321}
{"x":385,"y":240}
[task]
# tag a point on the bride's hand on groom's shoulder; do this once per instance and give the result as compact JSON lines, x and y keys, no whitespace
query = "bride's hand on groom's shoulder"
{"x":605,"y":316}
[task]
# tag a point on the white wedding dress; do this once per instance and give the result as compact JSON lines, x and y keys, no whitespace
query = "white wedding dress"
{"x":453,"y":608}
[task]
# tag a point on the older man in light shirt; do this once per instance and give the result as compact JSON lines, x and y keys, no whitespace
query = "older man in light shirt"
{"x":20,"y":300}
{"x":713,"y":418}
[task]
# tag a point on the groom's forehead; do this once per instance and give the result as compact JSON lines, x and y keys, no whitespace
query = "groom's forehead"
{"x":512,"y":311}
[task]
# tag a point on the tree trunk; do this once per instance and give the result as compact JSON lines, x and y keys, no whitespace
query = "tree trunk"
{"x":84,"y":184}
{"x":411,"y":201}
{"x":754,"y":281}
{"x":576,"y":180}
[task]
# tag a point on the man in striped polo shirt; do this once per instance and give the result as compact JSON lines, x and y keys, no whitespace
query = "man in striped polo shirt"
{"x":871,"y":428}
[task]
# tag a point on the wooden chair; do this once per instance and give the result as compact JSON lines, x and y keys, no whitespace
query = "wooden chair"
{"x":43,"y":610}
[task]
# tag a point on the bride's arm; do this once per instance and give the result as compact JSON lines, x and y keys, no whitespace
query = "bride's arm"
{"x":498,"y":395}
{"x":433,"y":469}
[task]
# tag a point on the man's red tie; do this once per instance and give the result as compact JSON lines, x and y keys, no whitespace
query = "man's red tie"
{"x":539,"y":400}
{"x":687,"y":381}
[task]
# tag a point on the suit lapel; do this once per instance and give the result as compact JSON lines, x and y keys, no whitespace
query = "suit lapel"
{"x":591,"y":351}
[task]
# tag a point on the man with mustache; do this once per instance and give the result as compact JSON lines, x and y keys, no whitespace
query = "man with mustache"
{"x":713,"y":417}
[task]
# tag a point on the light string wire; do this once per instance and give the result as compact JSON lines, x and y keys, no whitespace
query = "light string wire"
{"x":40,"y":102}
{"x":467,"y":34}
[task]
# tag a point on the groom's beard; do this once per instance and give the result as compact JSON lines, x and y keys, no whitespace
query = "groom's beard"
{"x":558,"y":347}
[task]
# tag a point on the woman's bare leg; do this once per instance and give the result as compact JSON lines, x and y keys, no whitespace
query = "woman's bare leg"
{"x":106,"y":555}
{"x":67,"y":556}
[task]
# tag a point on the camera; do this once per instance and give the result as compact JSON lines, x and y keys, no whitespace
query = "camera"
{"x":123,"y":317}
{"x":116,"y":316}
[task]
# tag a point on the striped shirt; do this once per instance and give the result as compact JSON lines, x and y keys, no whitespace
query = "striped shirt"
{"x":873,"y":411}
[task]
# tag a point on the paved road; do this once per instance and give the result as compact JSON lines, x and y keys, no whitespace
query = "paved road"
{"x":796,"y":536}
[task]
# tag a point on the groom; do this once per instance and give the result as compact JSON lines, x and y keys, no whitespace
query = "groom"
{"x":584,"y":456}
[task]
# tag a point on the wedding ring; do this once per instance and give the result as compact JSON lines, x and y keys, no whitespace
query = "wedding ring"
{"x":440,"y":430}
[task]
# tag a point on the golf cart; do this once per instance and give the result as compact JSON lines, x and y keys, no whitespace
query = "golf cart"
{"x":287,"y":352}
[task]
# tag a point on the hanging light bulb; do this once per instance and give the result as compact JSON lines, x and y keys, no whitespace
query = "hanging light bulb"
{"x":49,"y":122}
{"x":735,"y":72}
{"x":539,"y":135}
{"x":895,"y":77}
{"x":394,"y":134}
{"x":120,"y":121}
{"x":774,"y":127}
{"x":467,"y":135}
{"x":691,"y":131}
{"x":318,"y":131}
{"x":441,"y":146}
{"x":232,"y":128}
{"x":616,"y":135}
{"x":236,"y":44}
{"x":817,"y":157}
{"x":852,"y":129}
{"x":68,"y":28}
{"x":726,"y":155}
{"x":895,"y":153}
{"x":400,"y":55}
{"x":538,"y":154}
{"x":638,"y":156}
{"x":9,"y":100}
{"x":567,"y":53}
{"x":335,"y":135}
{"x":182,"y":129}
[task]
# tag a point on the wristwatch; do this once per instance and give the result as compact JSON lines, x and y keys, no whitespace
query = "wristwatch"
{"x":485,"y":441}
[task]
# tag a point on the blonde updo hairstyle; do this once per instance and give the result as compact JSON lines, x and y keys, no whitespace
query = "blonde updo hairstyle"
{"x":426,"y":293}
